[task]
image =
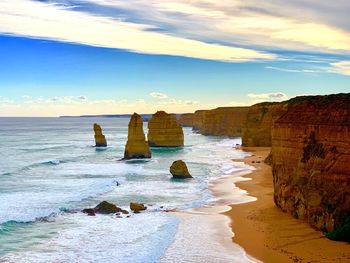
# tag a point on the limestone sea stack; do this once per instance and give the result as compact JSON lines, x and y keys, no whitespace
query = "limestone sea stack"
{"x":179,"y":170}
{"x":311,"y":160}
{"x":164,"y":130}
{"x":100,"y":139}
{"x":136,"y":146}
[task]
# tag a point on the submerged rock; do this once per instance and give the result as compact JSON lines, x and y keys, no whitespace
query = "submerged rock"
{"x":164,"y":130}
{"x":136,"y":207}
{"x":108,"y":208}
{"x":100,"y":139}
{"x":179,"y":170}
{"x":136,"y":146}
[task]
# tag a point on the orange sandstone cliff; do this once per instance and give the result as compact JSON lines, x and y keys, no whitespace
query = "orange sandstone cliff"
{"x":311,"y":160}
{"x":164,"y":130}
{"x":186,"y":119}
{"x":259,"y":122}
{"x":198,"y":118}
{"x":224,"y":121}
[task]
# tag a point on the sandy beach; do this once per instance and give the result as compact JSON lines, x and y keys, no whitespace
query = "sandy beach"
{"x":270,"y":235}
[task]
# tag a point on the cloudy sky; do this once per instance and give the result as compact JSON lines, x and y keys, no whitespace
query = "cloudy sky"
{"x":72,"y":57}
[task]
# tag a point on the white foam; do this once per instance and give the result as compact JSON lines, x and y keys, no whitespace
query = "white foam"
{"x":203,"y":238}
{"x":139,"y":239}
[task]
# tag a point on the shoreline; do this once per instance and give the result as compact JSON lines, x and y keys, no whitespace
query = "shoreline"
{"x":277,"y":236}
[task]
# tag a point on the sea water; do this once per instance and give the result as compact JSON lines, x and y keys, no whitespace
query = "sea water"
{"x":49,"y":171}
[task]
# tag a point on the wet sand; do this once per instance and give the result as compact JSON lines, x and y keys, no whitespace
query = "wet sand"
{"x":269,"y":235}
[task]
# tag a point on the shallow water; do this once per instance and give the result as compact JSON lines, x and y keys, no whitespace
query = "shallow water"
{"x":48,"y":167}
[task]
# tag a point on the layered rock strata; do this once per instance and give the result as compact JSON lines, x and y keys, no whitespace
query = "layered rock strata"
{"x":259,"y":123}
{"x":186,"y":119}
{"x":224,"y":121}
{"x":311,"y":160}
{"x":100,"y":139}
{"x":136,"y":146}
{"x":198,"y":118}
{"x":164,"y":130}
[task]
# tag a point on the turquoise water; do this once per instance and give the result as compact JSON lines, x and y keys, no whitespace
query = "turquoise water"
{"x":49,"y":171}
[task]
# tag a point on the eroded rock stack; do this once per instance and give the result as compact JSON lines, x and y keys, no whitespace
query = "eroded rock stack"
{"x":136,"y":146}
{"x":224,"y":121}
{"x":179,"y":170}
{"x":259,"y":123}
{"x":100,"y":139}
{"x":164,"y":130}
{"x":311,"y":160}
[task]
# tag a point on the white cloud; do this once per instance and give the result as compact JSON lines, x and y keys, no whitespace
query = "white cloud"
{"x":72,"y":105}
{"x":158,"y":95}
{"x":275,"y":96}
{"x":341,"y":67}
{"x":82,"y":98}
{"x":57,"y":22}
{"x":306,"y":71}
{"x":250,"y":23}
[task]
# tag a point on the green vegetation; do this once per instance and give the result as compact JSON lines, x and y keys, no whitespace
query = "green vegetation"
{"x":339,"y":99}
{"x":342,"y":232}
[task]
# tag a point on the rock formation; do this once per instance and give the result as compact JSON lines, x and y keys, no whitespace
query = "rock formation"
{"x":224,"y":121}
{"x":164,"y":130}
{"x":104,"y":208}
{"x":259,"y":122}
{"x":137,"y":208}
{"x":179,"y":170}
{"x":186,"y":119}
{"x":198,"y":118}
{"x":100,"y":139}
{"x":311,"y":160}
{"x":136,"y":146}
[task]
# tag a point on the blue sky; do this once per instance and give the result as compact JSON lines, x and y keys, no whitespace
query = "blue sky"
{"x":109,"y":56}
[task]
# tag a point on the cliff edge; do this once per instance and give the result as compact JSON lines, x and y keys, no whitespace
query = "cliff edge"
{"x":311,"y":160}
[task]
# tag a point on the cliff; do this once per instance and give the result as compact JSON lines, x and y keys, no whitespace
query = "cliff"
{"x":100,"y":139}
{"x":164,"y":130}
{"x":186,"y":119}
{"x":198,"y":118}
{"x":224,"y":121}
{"x":136,"y":146}
{"x":311,"y":160}
{"x":259,"y":122}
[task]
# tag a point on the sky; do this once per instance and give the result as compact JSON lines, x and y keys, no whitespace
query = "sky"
{"x":74,"y":57}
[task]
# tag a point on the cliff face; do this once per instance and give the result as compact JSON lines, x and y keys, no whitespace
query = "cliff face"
{"x":198,"y":118}
{"x":186,"y":119}
{"x":136,"y":146}
{"x":164,"y":130}
{"x":224,"y":121}
{"x":311,"y":160}
{"x":259,"y":122}
{"x":100,"y":139}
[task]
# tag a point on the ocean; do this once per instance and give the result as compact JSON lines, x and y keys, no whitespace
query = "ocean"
{"x":50,"y":170}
